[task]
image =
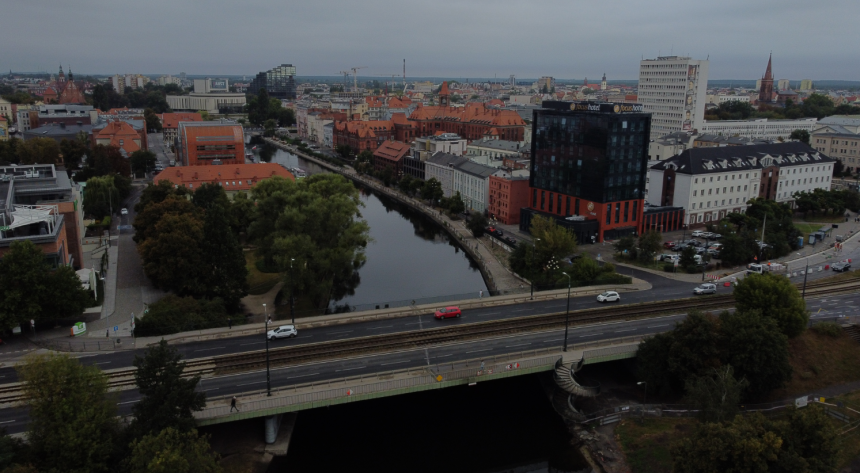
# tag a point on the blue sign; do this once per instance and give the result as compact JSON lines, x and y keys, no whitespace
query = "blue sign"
{"x":116,"y":328}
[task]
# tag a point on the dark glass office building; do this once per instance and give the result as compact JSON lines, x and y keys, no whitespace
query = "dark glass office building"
{"x":279,"y":82}
{"x":590,"y":160}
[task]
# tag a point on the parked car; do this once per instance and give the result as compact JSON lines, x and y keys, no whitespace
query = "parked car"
{"x":668,"y":257}
{"x":839,"y":238}
{"x":448,"y":312}
{"x":715,"y":236}
{"x":841,"y":267}
{"x":668,"y":244}
{"x":706,"y":288}
{"x":284,"y":331}
{"x":124,"y":211}
{"x":698,"y":233}
{"x":707,"y":235}
{"x":609,"y":296}
{"x":700,"y":250}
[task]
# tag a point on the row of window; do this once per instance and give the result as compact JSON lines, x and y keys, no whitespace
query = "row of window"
{"x":731,"y":189}
{"x":738,"y":200}
{"x":734,"y":176}
{"x":225,"y":183}
{"x":823,"y":179}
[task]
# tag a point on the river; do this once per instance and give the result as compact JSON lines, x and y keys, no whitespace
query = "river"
{"x":409,"y":258}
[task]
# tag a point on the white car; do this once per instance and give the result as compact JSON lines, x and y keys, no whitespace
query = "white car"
{"x":124,"y":211}
{"x":284,"y":331}
{"x":698,"y":233}
{"x":706,"y":288}
{"x":609,"y":296}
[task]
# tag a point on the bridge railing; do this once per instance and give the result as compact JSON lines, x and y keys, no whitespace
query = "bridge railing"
{"x":354,"y":387}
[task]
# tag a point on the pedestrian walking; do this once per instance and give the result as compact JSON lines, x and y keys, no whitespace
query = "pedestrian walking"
{"x":107,"y":333}
{"x":481,"y":294}
{"x":482,"y":365}
{"x":233,"y":404}
{"x":229,"y":322}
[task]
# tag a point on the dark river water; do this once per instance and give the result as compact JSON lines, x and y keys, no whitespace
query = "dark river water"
{"x":410,"y":257}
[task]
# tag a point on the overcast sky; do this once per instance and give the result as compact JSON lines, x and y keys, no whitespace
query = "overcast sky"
{"x":442,"y":38}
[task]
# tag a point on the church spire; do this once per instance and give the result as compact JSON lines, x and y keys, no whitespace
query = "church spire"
{"x":71,"y":77}
{"x":769,"y":73}
{"x":61,"y":77}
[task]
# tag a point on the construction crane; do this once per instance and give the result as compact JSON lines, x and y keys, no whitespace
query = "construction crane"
{"x":345,"y":77}
{"x":355,"y":76}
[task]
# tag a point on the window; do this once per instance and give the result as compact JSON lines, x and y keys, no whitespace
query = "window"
{"x":694,"y":193}
{"x":608,"y":213}
{"x":617,"y":211}
{"x":626,"y":206}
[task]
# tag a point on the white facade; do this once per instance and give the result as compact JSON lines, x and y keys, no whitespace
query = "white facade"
{"x":6,"y":111}
{"x":164,"y":80}
{"x":442,"y":173}
{"x":473,"y":189}
{"x":803,"y":178}
{"x":731,"y":98}
{"x":328,"y":135}
{"x":783,"y":84}
{"x":674,"y":90}
{"x":758,"y":128}
{"x":316,"y":130}
{"x":207,"y":102}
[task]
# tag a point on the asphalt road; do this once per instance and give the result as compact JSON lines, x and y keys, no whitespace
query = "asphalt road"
{"x":15,"y":419}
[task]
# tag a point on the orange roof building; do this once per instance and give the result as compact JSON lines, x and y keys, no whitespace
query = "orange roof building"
{"x":63,"y":91}
{"x":170,"y":124}
{"x":471,"y":122}
{"x":390,"y":155}
{"x":120,"y":134}
{"x":213,"y":142}
{"x":234,"y":177}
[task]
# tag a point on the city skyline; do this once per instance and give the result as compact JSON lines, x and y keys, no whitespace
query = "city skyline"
{"x":451,"y":39}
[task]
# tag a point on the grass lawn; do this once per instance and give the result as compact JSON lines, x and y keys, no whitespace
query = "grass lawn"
{"x":259,"y":281}
{"x":821,"y":219}
{"x":807,"y":228}
{"x":850,"y":440}
{"x":646,"y":445}
{"x":819,"y":361}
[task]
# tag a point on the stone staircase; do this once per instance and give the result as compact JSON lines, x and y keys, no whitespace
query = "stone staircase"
{"x":565,"y":378}
{"x":853,"y":332}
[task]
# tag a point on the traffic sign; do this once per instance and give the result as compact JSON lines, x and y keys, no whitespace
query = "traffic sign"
{"x":116,"y":328}
{"x":4,"y":228}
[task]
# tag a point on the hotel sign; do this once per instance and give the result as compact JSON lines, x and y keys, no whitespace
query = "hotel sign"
{"x":596,"y":107}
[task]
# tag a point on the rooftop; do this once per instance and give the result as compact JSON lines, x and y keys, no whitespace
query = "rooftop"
{"x":738,"y":158}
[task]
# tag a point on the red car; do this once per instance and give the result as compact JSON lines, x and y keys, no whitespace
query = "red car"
{"x":668,"y":244}
{"x":448,"y":312}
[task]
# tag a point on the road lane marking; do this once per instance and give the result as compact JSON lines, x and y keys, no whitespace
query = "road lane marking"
{"x":476,"y":351}
{"x":127,"y":402}
{"x":488,"y":313}
{"x":210,"y":389}
{"x":521,"y":310}
{"x":338,"y":333}
{"x":518,"y":345}
{"x":248,"y":384}
{"x":443,"y":356}
{"x":348,"y":369}
{"x":252,"y":343}
{"x":591,"y":335}
{"x":377,"y":328}
{"x":628,"y":330}
{"x":102,"y":363}
{"x":209,"y":349}
{"x":9,"y":421}
{"x":394,"y":362}
{"x":654,"y":326}
{"x":302,"y":375}
{"x":553,"y":340}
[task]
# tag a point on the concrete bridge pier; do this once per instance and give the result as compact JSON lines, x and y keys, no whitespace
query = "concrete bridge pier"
{"x":273,"y":425}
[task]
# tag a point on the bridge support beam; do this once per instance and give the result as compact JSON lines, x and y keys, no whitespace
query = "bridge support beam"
{"x":273,"y":425}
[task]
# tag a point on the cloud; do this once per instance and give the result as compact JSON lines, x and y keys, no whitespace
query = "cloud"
{"x":451,"y":38}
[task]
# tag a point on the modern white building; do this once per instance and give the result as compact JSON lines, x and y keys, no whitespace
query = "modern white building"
{"x":440,"y":166}
{"x":450,"y":143}
{"x":472,"y":181}
{"x":839,"y":137}
{"x":710,"y":183}
{"x":758,"y":128}
{"x":210,"y":95}
{"x":674,"y":90}
{"x":723,"y":98}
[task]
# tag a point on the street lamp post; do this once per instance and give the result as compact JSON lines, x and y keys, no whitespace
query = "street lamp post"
{"x":805,"y":274}
{"x":566,"y":312}
{"x":534,"y":249}
{"x":644,"y":395}
{"x":292,"y":290}
{"x":268,"y":374}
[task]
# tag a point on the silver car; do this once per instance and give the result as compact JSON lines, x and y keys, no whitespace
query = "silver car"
{"x":284,"y":331}
{"x":705,"y":289}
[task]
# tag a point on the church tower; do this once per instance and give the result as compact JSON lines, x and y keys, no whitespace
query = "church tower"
{"x":444,"y":94}
{"x":603,"y":82}
{"x":62,"y":77}
{"x":765,"y":93}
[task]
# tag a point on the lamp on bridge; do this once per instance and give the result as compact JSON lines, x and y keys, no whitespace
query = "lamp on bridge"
{"x":645,"y":383}
{"x":566,"y":312}
{"x":266,"y":334}
{"x":534,"y":250}
{"x":292,"y":289}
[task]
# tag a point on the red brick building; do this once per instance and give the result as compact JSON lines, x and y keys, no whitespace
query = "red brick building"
{"x":170,"y":124}
{"x":390,"y":155}
{"x":63,"y":91}
{"x":233,"y":178}
{"x":122,"y":135}
{"x":204,"y":143}
{"x":508,"y":194}
{"x":472,"y":122}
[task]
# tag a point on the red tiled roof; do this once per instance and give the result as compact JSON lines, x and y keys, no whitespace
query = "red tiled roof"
{"x":171,"y":120}
{"x":391,"y":150}
{"x":121,"y":135}
{"x":233,"y":177}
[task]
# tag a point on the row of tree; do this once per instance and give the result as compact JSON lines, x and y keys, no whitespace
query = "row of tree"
{"x":74,"y":426}
{"x":151,"y":96}
{"x":832,"y":202}
{"x":261,"y":108}
{"x":816,"y":105}
{"x":742,"y":231}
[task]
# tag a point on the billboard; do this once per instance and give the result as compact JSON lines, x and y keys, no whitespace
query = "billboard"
{"x":218,"y":84}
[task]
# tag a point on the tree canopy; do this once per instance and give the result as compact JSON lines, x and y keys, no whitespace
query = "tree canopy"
{"x":172,"y":451}
{"x":774,"y":297}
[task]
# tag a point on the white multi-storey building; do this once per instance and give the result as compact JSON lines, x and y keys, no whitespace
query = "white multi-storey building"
{"x":472,"y":181}
{"x":758,"y":128}
{"x":674,"y":90}
{"x":710,"y":183}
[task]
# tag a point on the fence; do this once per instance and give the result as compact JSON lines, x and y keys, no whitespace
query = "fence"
{"x":356,"y":387}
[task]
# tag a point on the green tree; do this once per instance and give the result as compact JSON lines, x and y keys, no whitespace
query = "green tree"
{"x":269,"y":127}
{"x":209,"y":195}
{"x":142,"y":161}
{"x":172,"y":451}
{"x":405,"y":184}
{"x":173,"y":314}
{"x":757,"y":349}
{"x":364,"y":162}
{"x":315,"y":226}
{"x":649,"y":245}
{"x":101,"y":197}
{"x":30,"y":289}
{"x":688,"y":259}
{"x":716,"y":395}
{"x":801,"y":135}
{"x":72,"y":416}
{"x":456,"y":205}
{"x":223,"y":273}
{"x":151,"y":214}
{"x":168,"y":400}
{"x":432,"y":190}
{"x":172,"y":255}
{"x":774,"y":297}
{"x":153,"y":123}
{"x":10,"y":151}
{"x":157,"y":193}
{"x":746,"y":445}
{"x":40,"y":151}
{"x":626,"y":245}
{"x":73,"y":151}
{"x":477,"y":224}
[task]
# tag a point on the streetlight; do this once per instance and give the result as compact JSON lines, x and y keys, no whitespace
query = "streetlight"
{"x":640,"y":383}
{"x":534,"y":249}
{"x":268,"y":375}
{"x":566,"y":312}
{"x":292,"y":290}
{"x":805,"y":273}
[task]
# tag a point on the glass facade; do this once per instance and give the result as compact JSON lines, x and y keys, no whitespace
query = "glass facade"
{"x":279,"y":82}
{"x":600,"y":156}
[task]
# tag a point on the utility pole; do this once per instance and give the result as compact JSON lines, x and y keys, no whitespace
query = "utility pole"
{"x":566,"y":313}
{"x":534,"y":249}
{"x":268,"y":374}
{"x":805,"y":273}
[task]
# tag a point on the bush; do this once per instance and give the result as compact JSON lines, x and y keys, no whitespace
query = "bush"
{"x":174,"y":314}
{"x":669,"y":267}
{"x":612,"y":278}
{"x":265,"y":268}
{"x":830,"y":329}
